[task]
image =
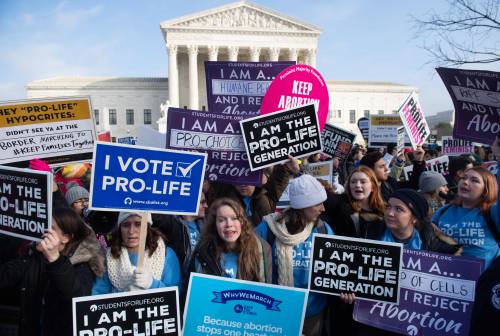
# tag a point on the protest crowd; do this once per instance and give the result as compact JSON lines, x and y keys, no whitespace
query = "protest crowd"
{"x":261,"y":232}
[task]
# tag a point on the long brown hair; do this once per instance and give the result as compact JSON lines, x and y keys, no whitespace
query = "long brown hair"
{"x":375,"y":200}
{"x":72,"y":225}
{"x":490,"y":192}
{"x":152,"y":238}
{"x":246,"y":245}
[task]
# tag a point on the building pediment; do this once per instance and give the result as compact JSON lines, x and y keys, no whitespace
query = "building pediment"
{"x":241,"y":16}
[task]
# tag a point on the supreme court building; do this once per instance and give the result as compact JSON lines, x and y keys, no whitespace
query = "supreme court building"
{"x":240,"y":31}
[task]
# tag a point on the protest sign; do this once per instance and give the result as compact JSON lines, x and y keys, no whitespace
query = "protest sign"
{"x":127,"y":140}
{"x":388,"y":159}
{"x":337,"y":142}
{"x":492,"y":166}
{"x":25,"y":202}
{"x":219,"y":136}
{"x":437,"y":294}
{"x":144,"y":312}
{"x":297,"y":85}
{"x":364,"y":127}
{"x":104,"y":136}
{"x":58,"y":130}
{"x":369,"y":269}
{"x":320,"y":170}
{"x":451,"y":146}
{"x":414,"y":121}
{"x":237,"y":88}
{"x":432,"y":139}
{"x":383,"y":130}
{"x":439,"y":165}
{"x":224,"y":306}
{"x":476,"y":99}
{"x":400,"y":143}
{"x":131,"y":178}
{"x":269,"y":139}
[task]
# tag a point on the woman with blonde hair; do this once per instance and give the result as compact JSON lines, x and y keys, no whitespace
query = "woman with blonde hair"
{"x":473,"y":217}
{"x":228,"y":246}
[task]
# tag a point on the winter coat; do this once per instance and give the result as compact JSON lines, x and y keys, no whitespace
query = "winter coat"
{"x":391,"y":184}
{"x":340,"y":215}
{"x":264,"y":199}
{"x":54,"y":284}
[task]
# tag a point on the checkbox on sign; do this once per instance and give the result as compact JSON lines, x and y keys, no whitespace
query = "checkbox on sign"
{"x":183,"y":169}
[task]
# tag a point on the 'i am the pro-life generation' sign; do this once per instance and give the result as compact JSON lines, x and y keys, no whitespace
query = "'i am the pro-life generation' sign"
{"x":476,"y":98}
{"x":270,"y":138}
{"x":136,"y":313}
{"x":225,"y":306}
{"x":57,"y":130}
{"x":367,"y":268}
{"x":25,"y":202}
{"x":437,"y":295}
{"x":131,"y":178}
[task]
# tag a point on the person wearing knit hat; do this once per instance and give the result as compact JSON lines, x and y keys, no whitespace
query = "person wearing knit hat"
{"x":434,"y":188}
{"x":161,"y":266}
{"x":77,"y":198}
{"x":290,"y":235}
{"x":407,"y":221}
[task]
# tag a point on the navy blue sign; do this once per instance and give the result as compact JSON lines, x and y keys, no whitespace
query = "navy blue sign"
{"x":131,"y":178}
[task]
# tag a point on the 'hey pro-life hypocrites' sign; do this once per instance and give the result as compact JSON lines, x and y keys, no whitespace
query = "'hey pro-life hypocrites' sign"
{"x":270,"y":138}
{"x":130,"y":178}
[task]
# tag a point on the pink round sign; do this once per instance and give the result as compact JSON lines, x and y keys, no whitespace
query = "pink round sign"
{"x":295,"y":86}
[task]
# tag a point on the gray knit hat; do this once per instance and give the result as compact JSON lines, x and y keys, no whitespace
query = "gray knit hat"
{"x":75,"y":193}
{"x":430,"y":181}
{"x":123,"y":215}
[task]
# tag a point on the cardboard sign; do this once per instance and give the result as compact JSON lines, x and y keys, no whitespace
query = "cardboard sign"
{"x":414,"y":121}
{"x":131,"y":178}
{"x":400,"y":143}
{"x":337,"y":142}
{"x":127,"y":140}
{"x":320,"y":170}
{"x":368,"y":268}
{"x":437,"y":294}
{"x":364,"y":127}
{"x":451,"y":146}
{"x":297,"y":85}
{"x":383,"y":130}
{"x":144,"y":312}
{"x":224,"y":306}
{"x":492,"y":166}
{"x":237,"y":88}
{"x":476,"y":99}
{"x":432,"y":139}
{"x":439,"y":165}
{"x":217,"y":135}
{"x":269,"y":139}
{"x":58,"y":131}
{"x":387,"y":160}
{"x":25,"y":202}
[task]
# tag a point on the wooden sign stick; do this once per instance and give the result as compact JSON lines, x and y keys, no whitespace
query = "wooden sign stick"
{"x":142,"y":240}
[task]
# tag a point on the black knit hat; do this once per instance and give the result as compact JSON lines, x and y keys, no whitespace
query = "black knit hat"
{"x":413,"y":200}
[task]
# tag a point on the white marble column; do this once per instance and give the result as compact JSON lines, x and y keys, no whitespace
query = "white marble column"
{"x":292,"y":54}
{"x":274,"y":54}
{"x":193,"y":76}
{"x":233,"y":53}
{"x":311,"y":57}
{"x":213,"y":52}
{"x":173,"y":76}
{"x":254,"y":54}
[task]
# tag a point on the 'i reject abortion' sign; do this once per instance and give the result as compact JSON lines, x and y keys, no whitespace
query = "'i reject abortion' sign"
{"x":128,"y":178}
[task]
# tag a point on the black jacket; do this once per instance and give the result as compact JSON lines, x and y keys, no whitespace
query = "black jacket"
{"x":340,"y":215}
{"x":53,"y":284}
{"x":391,"y":185}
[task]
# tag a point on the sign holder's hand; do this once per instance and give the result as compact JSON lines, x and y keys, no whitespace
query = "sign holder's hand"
{"x":419,"y":154}
{"x":49,"y":245}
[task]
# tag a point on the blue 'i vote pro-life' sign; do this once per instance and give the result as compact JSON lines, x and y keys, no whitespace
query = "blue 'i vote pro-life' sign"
{"x":132,"y":178}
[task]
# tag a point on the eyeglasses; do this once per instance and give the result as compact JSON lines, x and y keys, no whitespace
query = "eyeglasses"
{"x":82,"y":201}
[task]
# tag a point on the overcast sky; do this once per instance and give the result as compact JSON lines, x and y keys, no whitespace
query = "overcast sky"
{"x":361,"y":40}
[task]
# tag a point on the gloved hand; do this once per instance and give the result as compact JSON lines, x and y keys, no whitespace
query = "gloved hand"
{"x":37,"y":164}
{"x":142,"y":279}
